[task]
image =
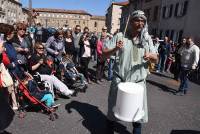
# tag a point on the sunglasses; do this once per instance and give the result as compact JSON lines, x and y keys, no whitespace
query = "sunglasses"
{"x":24,"y":29}
{"x":40,"y":48}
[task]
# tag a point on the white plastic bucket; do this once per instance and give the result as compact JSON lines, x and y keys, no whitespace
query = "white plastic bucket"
{"x":129,"y":105}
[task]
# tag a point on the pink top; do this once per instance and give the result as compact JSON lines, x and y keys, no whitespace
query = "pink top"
{"x":99,"y":47}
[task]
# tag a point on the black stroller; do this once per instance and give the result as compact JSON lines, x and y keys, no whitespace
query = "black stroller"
{"x":71,"y":77}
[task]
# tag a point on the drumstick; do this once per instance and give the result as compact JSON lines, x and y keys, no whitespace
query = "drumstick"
{"x":126,"y":24}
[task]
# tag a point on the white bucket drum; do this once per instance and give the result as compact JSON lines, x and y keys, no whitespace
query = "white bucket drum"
{"x":129,"y":105}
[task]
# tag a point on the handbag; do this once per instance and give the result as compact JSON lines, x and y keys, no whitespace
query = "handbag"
{"x":5,"y":78}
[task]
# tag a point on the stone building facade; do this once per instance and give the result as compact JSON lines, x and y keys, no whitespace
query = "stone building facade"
{"x":175,"y":19}
{"x":59,"y":17}
{"x":11,"y":11}
{"x":113,"y":16}
{"x":96,"y":23}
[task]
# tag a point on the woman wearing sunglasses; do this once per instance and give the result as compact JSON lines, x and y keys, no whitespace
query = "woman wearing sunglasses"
{"x":38,"y":64}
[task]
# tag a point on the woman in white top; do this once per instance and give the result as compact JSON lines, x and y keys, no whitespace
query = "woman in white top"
{"x":85,"y":54}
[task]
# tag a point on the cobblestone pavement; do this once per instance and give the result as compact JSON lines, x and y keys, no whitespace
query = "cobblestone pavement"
{"x":86,"y":113}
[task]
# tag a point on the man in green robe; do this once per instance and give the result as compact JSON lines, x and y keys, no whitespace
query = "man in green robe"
{"x":135,"y":52}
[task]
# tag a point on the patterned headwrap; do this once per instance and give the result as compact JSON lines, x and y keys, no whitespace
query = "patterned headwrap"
{"x":144,"y":33}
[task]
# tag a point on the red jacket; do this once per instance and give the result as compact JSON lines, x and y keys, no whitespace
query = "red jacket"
{"x":5,"y":59}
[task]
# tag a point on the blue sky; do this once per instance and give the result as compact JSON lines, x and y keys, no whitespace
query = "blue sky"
{"x":94,"y":7}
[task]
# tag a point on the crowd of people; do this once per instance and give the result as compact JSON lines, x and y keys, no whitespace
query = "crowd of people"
{"x":177,"y":58}
{"x":67,"y":53}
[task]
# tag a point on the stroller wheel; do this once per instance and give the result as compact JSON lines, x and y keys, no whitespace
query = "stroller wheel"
{"x":84,"y":88}
{"x":56,"y":115}
{"x":52,"y":117}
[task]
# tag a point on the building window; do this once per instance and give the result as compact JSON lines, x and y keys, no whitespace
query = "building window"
{"x":147,"y":12}
{"x":155,"y":14}
{"x":167,"y":11}
{"x":95,"y":24}
{"x":170,"y":10}
{"x":83,"y":22}
{"x":181,"y":9}
{"x":163,"y":11}
{"x":74,"y":22}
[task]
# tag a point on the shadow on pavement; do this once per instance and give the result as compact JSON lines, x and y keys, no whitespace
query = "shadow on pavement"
{"x":5,"y":132}
{"x":93,"y":119}
{"x":184,"y":132}
{"x":161,"y":75}
{"x":162,"y":87}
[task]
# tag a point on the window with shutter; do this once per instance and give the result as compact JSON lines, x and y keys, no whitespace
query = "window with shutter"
{"x":171,"y":10}
{"x":164,"y":10}
{"x":155,"y":15}
{"x":176,"y":9}
{"x":185,"y":8}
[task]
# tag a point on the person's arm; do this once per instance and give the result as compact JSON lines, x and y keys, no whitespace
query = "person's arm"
{"x":48,"y":46}
{"x":36,"y":66}
{"x":99,"y":48}
{"x":151,"y":56}
{"x":196,"y":57}
{"x":108,"y":52}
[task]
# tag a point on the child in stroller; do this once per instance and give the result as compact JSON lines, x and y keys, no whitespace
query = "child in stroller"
{"x":72,"y":77}
{"x":31,"y":89}
{"x":37,"y":89}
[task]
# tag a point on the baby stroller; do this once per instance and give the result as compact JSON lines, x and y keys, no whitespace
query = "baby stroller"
{"x":72,"y":78}
{"x":25,"y":93}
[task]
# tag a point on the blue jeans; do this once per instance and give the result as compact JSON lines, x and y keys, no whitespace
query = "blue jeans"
{"x":110,"y":69}
{"x":48,"y":99}
{"x":184,"y":79}
{"x":162,"y":62}
{"x":137,"y":128}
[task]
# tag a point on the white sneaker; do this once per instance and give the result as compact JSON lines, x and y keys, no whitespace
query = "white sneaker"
{"x":15,"y":108}
{"x":55,"y":105}
{"x":69,"y":92}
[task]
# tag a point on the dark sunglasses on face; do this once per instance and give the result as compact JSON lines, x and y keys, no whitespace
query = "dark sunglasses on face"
{"x":24,"y":29}
{"x":40,"y":48}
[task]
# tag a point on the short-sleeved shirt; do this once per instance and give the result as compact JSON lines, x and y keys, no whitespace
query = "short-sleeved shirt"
{"x":42,"y":69}
{"x":131,"y":65}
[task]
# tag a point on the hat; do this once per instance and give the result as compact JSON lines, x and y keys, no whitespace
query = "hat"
{"x":138,"y":14}
{"x":104,"y":28}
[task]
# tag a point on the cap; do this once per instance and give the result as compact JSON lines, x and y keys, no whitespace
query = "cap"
{"x":104,"y":28}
